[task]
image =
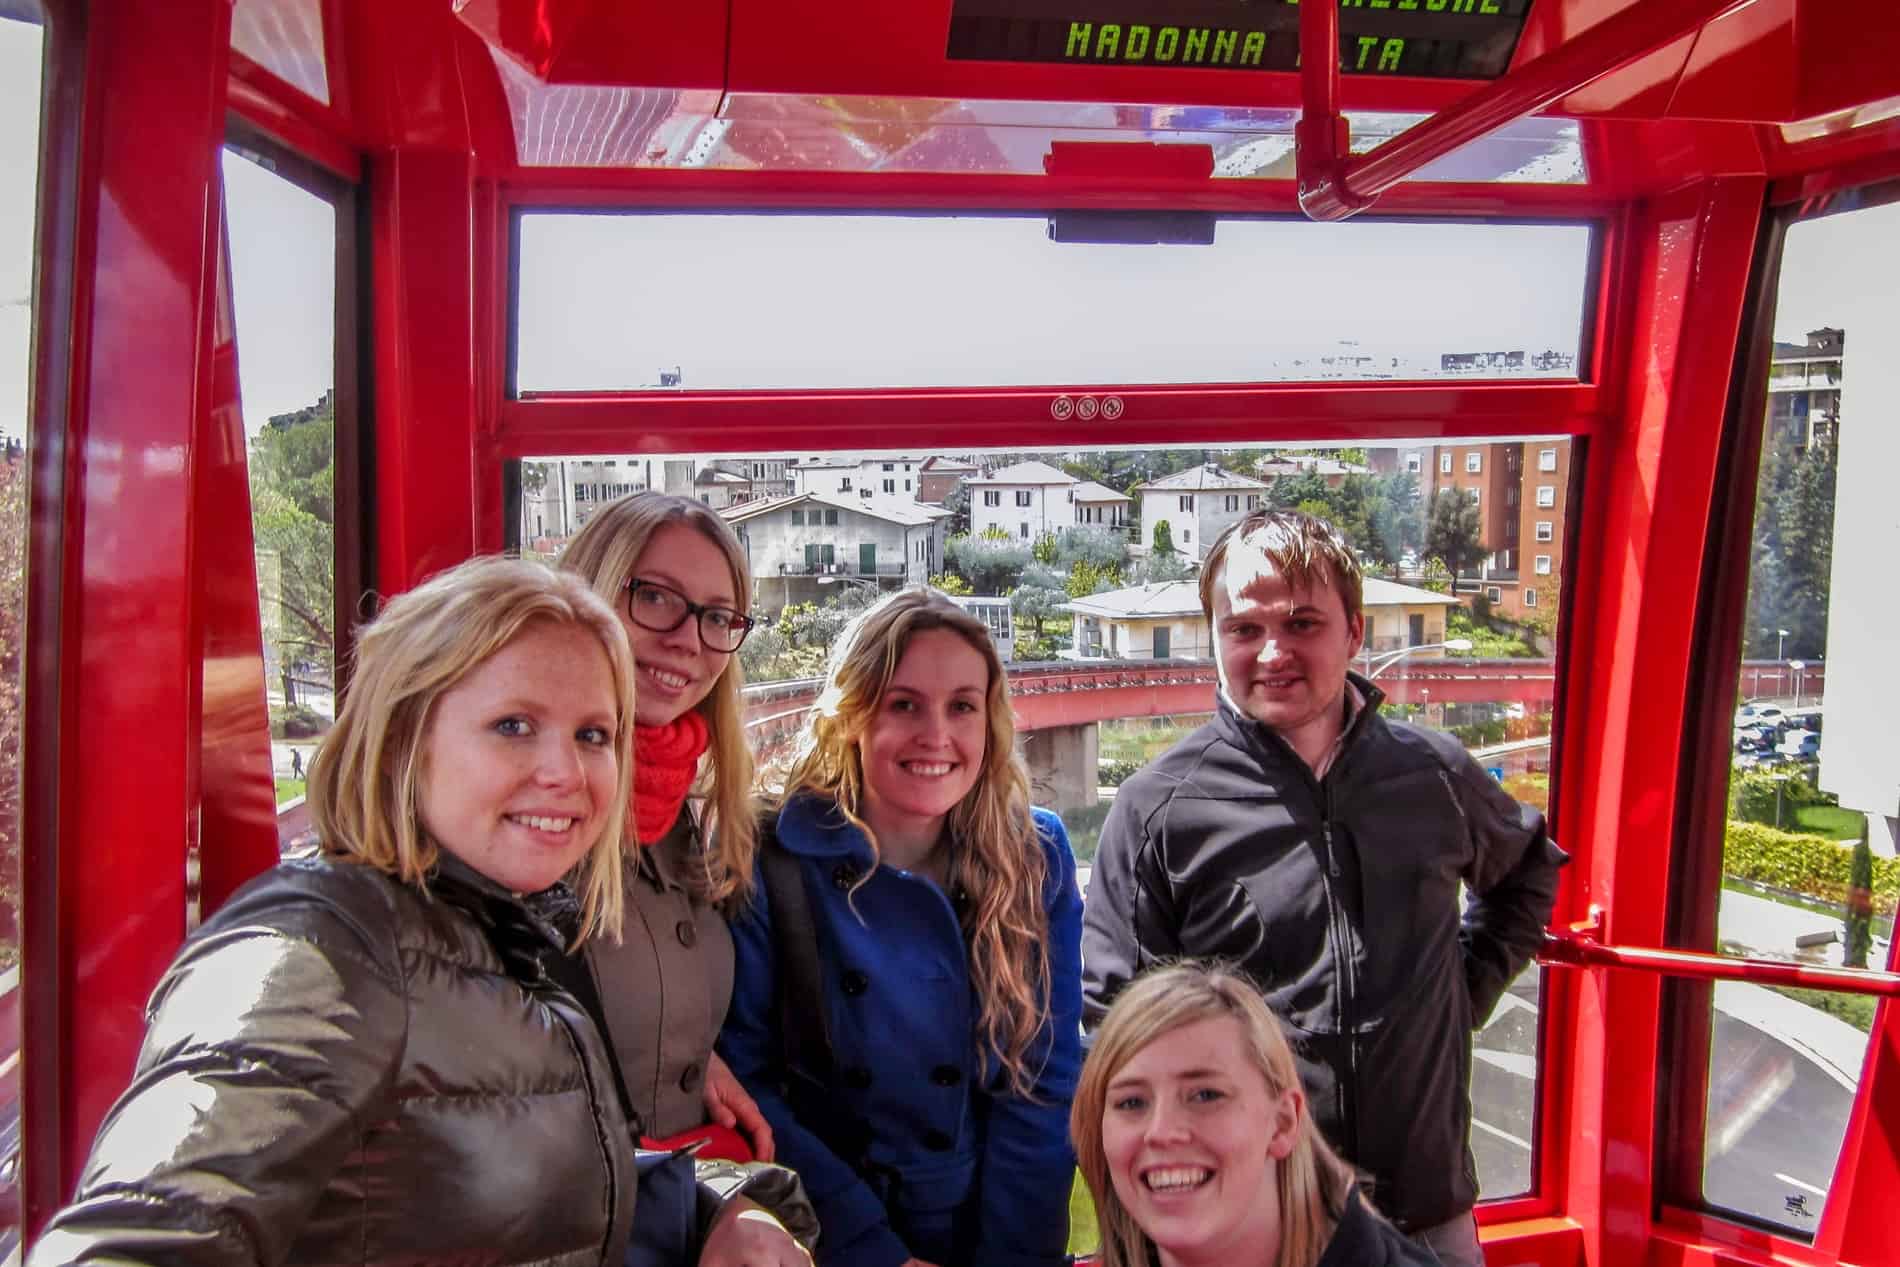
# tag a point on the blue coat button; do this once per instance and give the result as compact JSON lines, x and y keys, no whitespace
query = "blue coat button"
{"x":854,"y":983}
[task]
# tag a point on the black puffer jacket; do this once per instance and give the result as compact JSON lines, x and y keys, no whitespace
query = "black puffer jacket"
{"x":1341,"y":898}
{"x":1363,"y":1239}
{"x":339,"y":1068}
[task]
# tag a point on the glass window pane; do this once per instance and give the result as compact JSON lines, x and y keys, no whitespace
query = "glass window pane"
{"x":21,"y":59}
{"x":285,"y":37}
{"x":1809,"y":873}
{"x":283,"y":279}
{"x":1081,"y":562}
{"x":630,"y":302}
{"x":582,"y":125}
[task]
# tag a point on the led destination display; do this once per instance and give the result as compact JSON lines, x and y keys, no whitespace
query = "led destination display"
{"x":1458,"y":39}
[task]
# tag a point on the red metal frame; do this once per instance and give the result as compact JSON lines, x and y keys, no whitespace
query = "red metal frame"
{"x":139,"y":387}
{"x":128,"y":384}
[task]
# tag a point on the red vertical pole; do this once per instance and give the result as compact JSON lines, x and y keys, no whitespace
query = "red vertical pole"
{"x":112,"y":699}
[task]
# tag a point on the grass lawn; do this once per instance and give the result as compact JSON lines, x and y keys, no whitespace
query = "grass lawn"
{"x":1083,"y":1238}
{"x":1856,"y":1009}
{"x":1829,"y":820}
{"x":289,"y":790}
{"x":1141,"y":740}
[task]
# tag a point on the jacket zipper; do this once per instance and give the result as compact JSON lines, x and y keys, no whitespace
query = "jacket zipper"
{"x":1348,"y":1087}
{"x":1452,"y":792}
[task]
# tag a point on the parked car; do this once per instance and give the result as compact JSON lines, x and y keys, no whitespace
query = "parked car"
{"x":1754,"y":714}
{"x":1799,"y":745}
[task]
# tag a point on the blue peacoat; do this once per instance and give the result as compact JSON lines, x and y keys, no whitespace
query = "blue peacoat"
{"x":914,"y":1145}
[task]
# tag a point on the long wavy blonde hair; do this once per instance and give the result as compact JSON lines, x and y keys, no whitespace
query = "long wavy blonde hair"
{"x":607,"y":552}
{"x":996,"y":861}
{"x":1313,"y":1183}
{"x":366,"y":779}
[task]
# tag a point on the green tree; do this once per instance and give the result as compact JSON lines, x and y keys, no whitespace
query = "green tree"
{"x":1454,"y":533}
{"x":991,"y":563}
{"x":1860,"y":904}
{"x":1104,"y":548}
{"x":1044,"y":551}
{"x":958,"y":504}
{"x":1792,"y":553}
{"x":1039,"y":598}
{"x":293,"y":521}
{"x":1086,"y":578}
{"x":1157,"y":568}
{"x":951,"y":584}
{"x":1163,"y":538}
{"x":1292,"y":492}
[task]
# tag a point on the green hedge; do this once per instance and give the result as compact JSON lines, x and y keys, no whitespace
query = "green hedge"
{"x":1802,"y":863}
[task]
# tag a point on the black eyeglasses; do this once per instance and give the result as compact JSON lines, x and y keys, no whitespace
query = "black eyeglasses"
{"x":663,"y":609}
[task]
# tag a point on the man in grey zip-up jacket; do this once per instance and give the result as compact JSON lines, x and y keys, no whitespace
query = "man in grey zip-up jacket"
{"x":1319,"y":846}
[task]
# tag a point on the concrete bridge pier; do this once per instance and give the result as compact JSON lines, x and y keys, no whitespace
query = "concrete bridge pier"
{"x":1063,"y":768}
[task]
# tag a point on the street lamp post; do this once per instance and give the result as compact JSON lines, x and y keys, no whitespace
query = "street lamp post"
{"x":1390,"y":658}
{"x":1781,"y":640}
{"x":1798,"y":666}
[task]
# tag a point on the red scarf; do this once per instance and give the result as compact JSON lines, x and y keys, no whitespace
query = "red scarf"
{"x":665,"y":759}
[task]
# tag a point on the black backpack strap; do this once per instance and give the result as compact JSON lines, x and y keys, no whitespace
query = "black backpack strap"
{"x":806,"y":1044}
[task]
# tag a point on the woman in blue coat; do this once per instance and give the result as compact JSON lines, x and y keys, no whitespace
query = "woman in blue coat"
{"x":907,"y":1011}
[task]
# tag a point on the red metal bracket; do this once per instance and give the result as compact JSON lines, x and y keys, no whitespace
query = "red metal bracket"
{"x":1334,"y":185}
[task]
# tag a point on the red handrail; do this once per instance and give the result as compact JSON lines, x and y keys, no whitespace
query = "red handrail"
{"x":1334,"y":185}
{"x":1579,"y":949}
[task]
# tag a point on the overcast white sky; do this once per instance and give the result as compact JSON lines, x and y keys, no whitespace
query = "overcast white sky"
{"x":878,"y":301}
{"x":607,"y":301}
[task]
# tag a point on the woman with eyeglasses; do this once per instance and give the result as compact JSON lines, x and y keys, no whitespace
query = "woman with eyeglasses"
{"x":679,"y":580}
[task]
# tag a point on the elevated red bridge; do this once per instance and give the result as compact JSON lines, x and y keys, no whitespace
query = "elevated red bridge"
{"x":1077,"y":692}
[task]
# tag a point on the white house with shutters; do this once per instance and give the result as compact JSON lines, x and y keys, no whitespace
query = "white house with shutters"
{"x":1023,"y":501}
{"x":1197,"y":504}
{"x":801,"y":546}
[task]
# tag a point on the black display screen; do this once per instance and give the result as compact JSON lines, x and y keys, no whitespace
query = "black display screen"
{"x":1442,"y":39}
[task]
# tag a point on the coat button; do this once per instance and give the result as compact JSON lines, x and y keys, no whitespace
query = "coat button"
{"x":688,"y":932}
{"x":857,"y":1077}
{"x":689,"y":1077}
{"x":854,"y":983}
{"x":843,"y":876}
{"x":946,"y":1075}
{"x":937,"y":1141}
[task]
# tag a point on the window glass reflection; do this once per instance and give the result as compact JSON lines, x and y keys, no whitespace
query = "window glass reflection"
{"x":21,"y":59}
{"x":1809,"y":873}
{"x":1083,"y":564}
{"x":283,"y":280}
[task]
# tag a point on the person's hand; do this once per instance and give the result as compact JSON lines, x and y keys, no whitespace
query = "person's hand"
{"x":728,"y":1104}
{"x":745,"y":1235}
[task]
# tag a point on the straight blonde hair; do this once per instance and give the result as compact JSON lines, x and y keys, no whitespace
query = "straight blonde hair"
{"x":365,"y":781}
{"x":606,"y":552}
{"x":1313,"y":1183}
{"x":997,"y":861}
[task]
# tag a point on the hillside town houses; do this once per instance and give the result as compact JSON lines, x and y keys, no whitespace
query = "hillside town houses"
{"x":813,"y":524}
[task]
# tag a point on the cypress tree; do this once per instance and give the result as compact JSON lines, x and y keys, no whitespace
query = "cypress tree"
{"x":1860,"y":904}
